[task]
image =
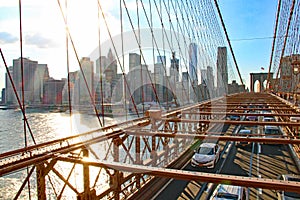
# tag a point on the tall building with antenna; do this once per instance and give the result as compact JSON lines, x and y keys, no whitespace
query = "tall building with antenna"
{"x":193,"y":61}
{"x":222,"y":71}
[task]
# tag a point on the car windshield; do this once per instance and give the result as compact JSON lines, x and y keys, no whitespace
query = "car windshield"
{"x":272,"y":131}
{"x":227,"y":195}
{"x":244,"y":132}
{"x":292,"y":194}
{"x":206,"y":151}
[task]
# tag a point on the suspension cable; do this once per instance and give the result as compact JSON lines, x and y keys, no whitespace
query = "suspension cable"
{"x":68,"y":66}
{"x":100,"y":67}
{"x":80,"y":65}
{"x":229,"y":43}
{"x":285,"y":39}
{"x":121,"y":66}
{"x":274,"y":40}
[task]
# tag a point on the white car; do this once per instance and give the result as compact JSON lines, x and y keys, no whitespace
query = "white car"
{"x":223,"y":192}
{"x":207,"y":155}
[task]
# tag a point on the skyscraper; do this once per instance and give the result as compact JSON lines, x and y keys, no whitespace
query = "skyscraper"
{"x":193,"y":60}
{"x":159,"y":73}
{"x":222,"y":71}
{"x":174,"y":69}
{"x":101,"y":65}
{"x":87,"y":75}
{"x":210,"y":81}
{"x":204,"y":76}
{"x":34,"y":75}
{"x":134,"y":60}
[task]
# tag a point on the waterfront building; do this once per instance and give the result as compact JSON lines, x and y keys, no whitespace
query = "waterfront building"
{"x":34,"y":75}
{"x":53,"y":91}
{"x":234,"y":87}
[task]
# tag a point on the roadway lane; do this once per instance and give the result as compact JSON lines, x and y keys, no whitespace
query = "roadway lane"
{"x":265,"y":161}
{"x":179,"y":189}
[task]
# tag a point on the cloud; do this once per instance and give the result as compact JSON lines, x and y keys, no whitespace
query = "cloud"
{"x":6,"y":38}
{"x":39,"y":41}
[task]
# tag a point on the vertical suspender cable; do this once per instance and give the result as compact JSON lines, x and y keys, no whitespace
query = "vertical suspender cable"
{"x":22,"y":77}
{"x":285,"y":39}
{"x":229,"y":43}
{"x":273,"y":44}
{"x":68,"y":66}
{"x":142,"y":55}
{"x":123,"y":61}
{"x":153,"y":51}
{"x":115,"y":50}
{"x":101,"y":67}
{"x":80,"y":66}
{"x":139,"y":43}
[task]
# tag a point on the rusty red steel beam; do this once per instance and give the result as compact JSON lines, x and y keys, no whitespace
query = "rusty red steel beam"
{"x":242,"y":114}
{"x":244,"y":103}
{"x":81,"y":135}
{"x":242,"y":98}
{"x":251,"y":103}
{"x":193,"y":176}
{"x":251,"y":123}
{"x":278,"y":140}
{"x":41,"y":157}
{"x":236,"y":105}
{"x":245,"y":109}
{"x":36,"y":156}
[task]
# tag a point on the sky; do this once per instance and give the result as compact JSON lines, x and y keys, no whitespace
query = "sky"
{"x":249,"y":24}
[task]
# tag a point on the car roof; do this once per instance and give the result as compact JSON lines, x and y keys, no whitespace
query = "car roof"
{"x":245,"y":131}
{"x":271,"y":127}
{"x":269,"y":117}
{"x":225,"y":191}
{"x":207,"y":144}
{"x":291,"y":177}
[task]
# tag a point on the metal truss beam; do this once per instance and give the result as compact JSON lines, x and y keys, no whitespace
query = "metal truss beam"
{"x":194,"y":176}
{"x":242,"y":114}
{"x":250,"y":123}
{"x":279,"y":140}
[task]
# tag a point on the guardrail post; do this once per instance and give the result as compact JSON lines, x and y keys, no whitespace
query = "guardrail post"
{"x":153,"y":151}
{"x":115,"y":183}
{"x":41,"y":181}
{"x":86,"y":176}
{"x":138,"y":158}
{"x":154,"y":115}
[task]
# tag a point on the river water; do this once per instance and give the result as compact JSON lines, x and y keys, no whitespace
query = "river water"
{"x":45,"y":126}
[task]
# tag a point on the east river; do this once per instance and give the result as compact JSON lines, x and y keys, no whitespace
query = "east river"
{"x":45,"y":126}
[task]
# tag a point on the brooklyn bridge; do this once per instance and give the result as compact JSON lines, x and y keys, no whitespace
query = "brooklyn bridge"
{"x":159,"y":110}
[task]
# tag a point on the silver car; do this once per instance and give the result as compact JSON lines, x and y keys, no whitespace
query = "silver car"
{"x":223,"y":192}
{"x":207,"y":155}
